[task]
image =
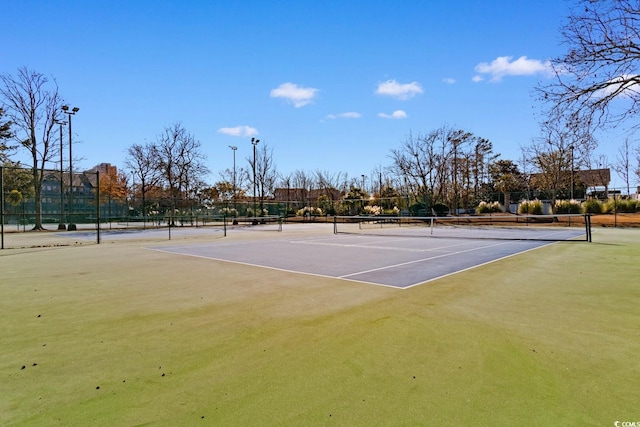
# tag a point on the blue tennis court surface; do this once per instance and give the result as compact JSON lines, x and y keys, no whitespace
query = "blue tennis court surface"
{"x":399,"y":262}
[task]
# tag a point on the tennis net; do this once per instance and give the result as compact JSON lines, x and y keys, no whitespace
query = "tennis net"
{"x":269,"y":222}
{"x":559,"y":227}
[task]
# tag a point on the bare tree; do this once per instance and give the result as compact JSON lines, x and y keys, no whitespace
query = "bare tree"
{"x":551,"y":154}
{"x":623,"y":163}
{"x":266,"y":173}
{"x":600,"y":66}
{"x":444,"y":166}
{"x":298,"y":185}
{"x":329,"y":186}
{"x":239,"y":178}
{"x":526,"y":166}
{"x":33,"y":105}
{"x":637,"y":167}
{"x":179,"y":162}
{"x":141,"y":161}
{"x":327,"y":182}
{"x":415,"y":161}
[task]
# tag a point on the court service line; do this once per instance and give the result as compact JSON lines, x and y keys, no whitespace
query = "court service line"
{"x":371,"y":246}
{"x":421,"y":260}
{"x":478,"y":265}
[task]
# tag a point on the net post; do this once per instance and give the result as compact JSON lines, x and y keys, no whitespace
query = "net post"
{"x":98,"y":208}
{"x":587,"y":222}
{"x":335,"y":224}
{"x":224,"y":224}
{"x":431,"y":227}
{"x":2,"y":206}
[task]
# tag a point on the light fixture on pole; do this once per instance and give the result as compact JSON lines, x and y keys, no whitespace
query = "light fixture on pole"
{"x":61,"y":225}
{"x":254,"y":142}
{"x":234,"y":148}
{"x":74,"y":110}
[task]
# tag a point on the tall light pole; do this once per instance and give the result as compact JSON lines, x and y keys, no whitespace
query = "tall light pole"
{"x":74,"y":110}
{"x":234,"y":148}
{"x":254,"y":142}
{"x":61,"y":225}
{"x":362,"y":192}
{"x":455,"y":181}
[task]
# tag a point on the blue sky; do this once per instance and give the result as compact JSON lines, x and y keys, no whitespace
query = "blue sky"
{"x":329,"y":85}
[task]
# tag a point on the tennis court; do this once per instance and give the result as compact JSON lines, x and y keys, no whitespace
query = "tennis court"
{"x":121,"y":334}
{"x":394,"y":261}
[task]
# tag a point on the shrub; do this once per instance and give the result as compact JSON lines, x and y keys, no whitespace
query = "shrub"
{"x":592,"y":206}
{"x":229,"y":212}
{"x":416,"y":208}
{"x":491,"y":207}
{"x":440,"y":209}
{"x":621,"y":206}
{"x":309,"y":210}
{"x":291,"y":211}
{"x":372,"y":210}
{"x":395,"y":211}
{"x":532,"y":207}
{"x":567,"y":207}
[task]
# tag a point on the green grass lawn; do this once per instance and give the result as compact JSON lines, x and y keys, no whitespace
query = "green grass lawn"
{"x":116,"y":335}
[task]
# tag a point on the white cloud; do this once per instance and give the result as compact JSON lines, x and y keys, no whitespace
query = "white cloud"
{"x":504,"y":66}
{"x":399,"y":90}
{"x":239,"y":131}
{"x":297,"y":95}
{"x":477,"y":79}
{"x":398,"y":114}
{"x":348,"y":115}
{"x":449,"y":80}
{"x":624,"y":85}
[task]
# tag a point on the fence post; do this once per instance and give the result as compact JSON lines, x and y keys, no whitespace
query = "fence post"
{"x":98,"y":206}
{"x":2,"y":206}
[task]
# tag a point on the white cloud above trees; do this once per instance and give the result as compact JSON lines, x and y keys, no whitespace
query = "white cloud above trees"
{"x":504,"y":66}
{"x":402,"y":91}
{"x":398,"y":114}
{"x":239,"y":131}
{"x":299,"y":96}
{"x":347,"y":115}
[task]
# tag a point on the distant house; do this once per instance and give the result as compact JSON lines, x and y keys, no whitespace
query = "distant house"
{"x":329,"y":193}
{"x":83,"y":192}
{"x":596,"y":179}
{"x":290,"y":194}
{"x":104,"y":168}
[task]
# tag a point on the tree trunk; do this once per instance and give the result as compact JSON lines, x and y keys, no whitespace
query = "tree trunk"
{"x":37,"y":203}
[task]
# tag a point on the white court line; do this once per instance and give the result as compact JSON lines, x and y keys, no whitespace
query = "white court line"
{"x":347,"y":277}
{"x":421,"y":260}
{"x":285,"y":270}
{"x":476,"y":266}
{"x":370,"y":246}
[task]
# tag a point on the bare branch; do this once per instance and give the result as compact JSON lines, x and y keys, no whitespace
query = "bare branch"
{"x":598,"y":79}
